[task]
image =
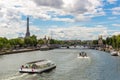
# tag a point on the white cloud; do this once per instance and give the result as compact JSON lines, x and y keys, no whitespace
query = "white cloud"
{"x":83,"y":8}
{"x":116,"y":33}
{"x":63,"y":19}
{"x":77,"y":32}
{"x":11,"y":12}
{"x":13,"y":29}
{"x":112,"y":1}
{"x":41,"y":8}
{"x":117,"y":25}
{"x":50,"y":3}
{"x":111,"y":18}
{"x":116,"y":11}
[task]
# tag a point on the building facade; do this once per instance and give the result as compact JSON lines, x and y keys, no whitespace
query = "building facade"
{"x":100,"y":41}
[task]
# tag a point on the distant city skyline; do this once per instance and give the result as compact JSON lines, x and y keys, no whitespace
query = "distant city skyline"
{"x":61,"y":19}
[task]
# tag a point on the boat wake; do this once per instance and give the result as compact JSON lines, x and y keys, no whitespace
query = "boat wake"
{"x":81,"y":57}
{"x":16,"y":76}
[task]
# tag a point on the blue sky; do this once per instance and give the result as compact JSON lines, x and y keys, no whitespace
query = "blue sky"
{"x":61,"y":19}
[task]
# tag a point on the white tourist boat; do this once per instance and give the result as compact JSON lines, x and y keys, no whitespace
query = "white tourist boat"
{"x":37,"y":66}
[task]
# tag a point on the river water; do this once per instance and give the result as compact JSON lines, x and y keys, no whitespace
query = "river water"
{"x":98,"y":66}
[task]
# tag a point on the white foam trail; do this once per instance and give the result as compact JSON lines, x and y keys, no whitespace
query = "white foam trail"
{"x":83,"y":57}
{"x":18,"y":73}
{"x":15,"y":77}
{"x":31,"y":75}
{"x":34,"y":75}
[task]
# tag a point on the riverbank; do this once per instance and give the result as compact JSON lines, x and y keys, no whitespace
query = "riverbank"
{"x":18,"y":51}
{"x":116,"y":51}
{"x":42,"y":48}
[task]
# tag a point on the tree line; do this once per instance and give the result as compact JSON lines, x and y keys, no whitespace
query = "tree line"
{"x":18,"y":43}
{"x":113,"y":41}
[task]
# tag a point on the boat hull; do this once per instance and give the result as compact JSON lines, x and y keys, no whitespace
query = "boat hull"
{"x":114,"y":53}
{"x":37,"y":70}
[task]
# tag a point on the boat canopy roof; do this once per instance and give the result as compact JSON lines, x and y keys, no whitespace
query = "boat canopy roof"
{"x":40,"y":62}
{"x":43,"y":62}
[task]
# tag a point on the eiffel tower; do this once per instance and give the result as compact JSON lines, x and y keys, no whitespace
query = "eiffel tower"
{"x":27,"y":31}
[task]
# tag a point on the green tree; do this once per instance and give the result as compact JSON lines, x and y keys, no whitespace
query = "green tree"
{"x":3,"y":43}
{"x":95,"y":42}
{"x":27,"y":41}
{"x":114,"y":41}
{"x":40,"y":41}
{"x":31,"y":41}
{"x":118,"y":41}
{"x":16,"y":42}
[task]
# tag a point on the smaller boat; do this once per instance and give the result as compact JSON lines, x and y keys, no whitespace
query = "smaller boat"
{"x":37,"y":66}
{"x":82,"y":55}
{"x":114,"y":53}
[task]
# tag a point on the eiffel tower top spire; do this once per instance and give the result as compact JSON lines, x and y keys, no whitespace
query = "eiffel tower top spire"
{"x":27,"y":31}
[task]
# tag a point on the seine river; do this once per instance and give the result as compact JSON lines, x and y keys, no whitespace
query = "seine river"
{"x":99,"y":66}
